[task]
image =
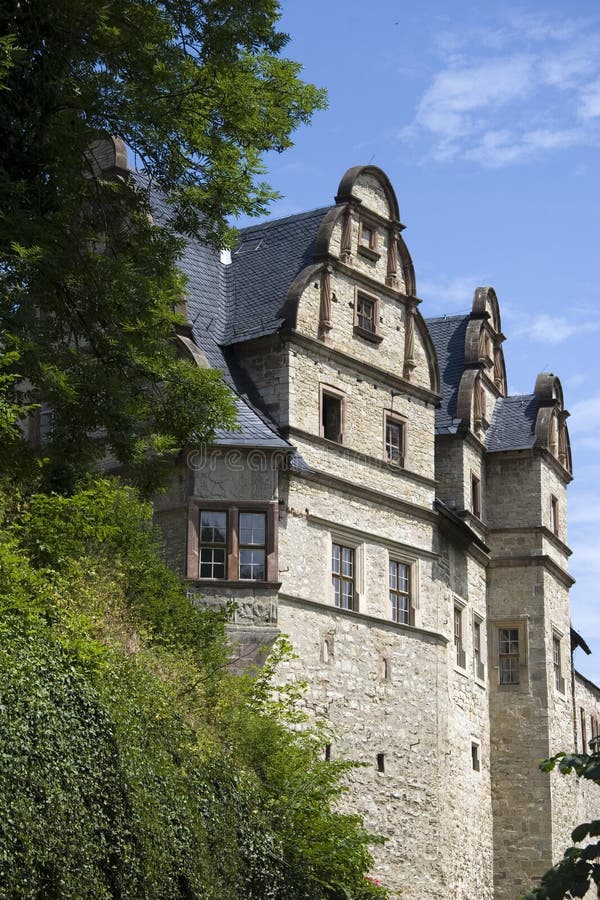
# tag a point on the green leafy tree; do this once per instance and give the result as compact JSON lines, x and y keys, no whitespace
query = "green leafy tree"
{"x":133,"y":764}
{"x":89,"y":286}
{"x":579,"y":868}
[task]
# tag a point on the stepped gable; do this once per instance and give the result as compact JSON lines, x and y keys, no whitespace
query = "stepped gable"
{"x":513,"y":423}
{"x":448,"y":336}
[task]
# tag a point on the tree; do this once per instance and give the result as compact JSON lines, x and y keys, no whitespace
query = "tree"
{"x":579,"y":868}
{"x":89,"y":286}
{"x":133,"y":762}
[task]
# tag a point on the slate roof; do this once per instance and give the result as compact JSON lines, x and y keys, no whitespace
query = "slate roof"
{"x":448,"y":335}
{"x":264,"y":264}
{"x":513,"y":423}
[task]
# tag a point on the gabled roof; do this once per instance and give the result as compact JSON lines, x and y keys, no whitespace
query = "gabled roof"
{"x":513,"y":423}
{"x":448,"y":336}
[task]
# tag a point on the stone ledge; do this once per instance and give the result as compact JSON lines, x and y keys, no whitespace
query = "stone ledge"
{"x":408,"y":630}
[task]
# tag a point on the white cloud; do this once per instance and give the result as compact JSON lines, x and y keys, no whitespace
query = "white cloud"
{"x":503,"y":107}
{"x":585,"y":416}
{"x":449,"y":293}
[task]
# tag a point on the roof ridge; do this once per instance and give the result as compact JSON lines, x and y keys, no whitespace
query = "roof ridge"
{"x":295,"y":217}
{"x":455,"y":318}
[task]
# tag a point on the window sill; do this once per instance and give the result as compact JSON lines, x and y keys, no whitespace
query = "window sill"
{"x":368,"y":335}
{"x":371,"y":254}
{"x":238,"y":585}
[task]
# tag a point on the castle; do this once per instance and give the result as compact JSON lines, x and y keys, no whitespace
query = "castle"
{"x":388,"y":506}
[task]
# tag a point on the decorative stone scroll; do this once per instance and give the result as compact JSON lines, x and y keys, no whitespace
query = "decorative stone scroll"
{"x":409,"y":341}
{"x":563,"y":444}
{"x":391,"y":277}
{"x":346,"y":243}
{"x":325,"y":307}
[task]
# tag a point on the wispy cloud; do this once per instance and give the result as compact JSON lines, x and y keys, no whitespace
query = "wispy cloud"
{"x":449,"y":293}
{"x":534,"y":90}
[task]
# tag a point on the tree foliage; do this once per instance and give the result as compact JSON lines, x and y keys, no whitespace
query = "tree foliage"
{"x":88,"y":283}
{"x":579,"y":868}
{"x":132,"y":763}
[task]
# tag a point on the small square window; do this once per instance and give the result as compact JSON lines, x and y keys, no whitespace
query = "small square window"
{"x":475,"y":757}
{"x":252,"y":545}
{"x":395,"y":433}
{"x":331,"y":417}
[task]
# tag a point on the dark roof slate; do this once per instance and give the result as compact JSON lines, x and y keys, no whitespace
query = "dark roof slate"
{"x":448,"y":336}
{"x":513,"y":423}
{"x":263,"y":266}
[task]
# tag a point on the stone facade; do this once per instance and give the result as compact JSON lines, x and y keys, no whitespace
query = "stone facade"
{"x":409,"y":537}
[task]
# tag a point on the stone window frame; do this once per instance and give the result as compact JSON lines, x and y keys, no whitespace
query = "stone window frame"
{"x":370,"y":249}
{"x":554,"y":514}
{"x":458,"y":633}
{"x":342,"y":539}
{"x":233,"y":509}
{"x":475,"y":755}
{"x":391,"y":417}
{"x":558,"y":678}
{"x":374,"y":336}
{"x":478,"y":648}
{"x":475,"y":500}
{"x":413,"y":582}
{"x":521,"y":624}
{"x":329,"y":390}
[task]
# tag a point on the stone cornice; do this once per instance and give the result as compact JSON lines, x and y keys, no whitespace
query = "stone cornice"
{"x":366,"y":493}
{"x":373,"y":461}
{"x":364,"y":368}
{"x":536,"y":529}
{"x":410,"y":631}
{"x":542,"y":559}
{"x":408,"y":549}
{"x":373,"y":284}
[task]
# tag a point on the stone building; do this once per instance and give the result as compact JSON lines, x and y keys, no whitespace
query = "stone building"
{"x":388,"y":506}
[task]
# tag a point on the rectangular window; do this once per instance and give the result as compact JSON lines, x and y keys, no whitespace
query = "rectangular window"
{"x":213,"y":543}
{"x":508,"y":641}
{"x":559,"y":681}
{"x":367,"y":236}
{"x":343,"y":571}
{"x":477,"y":655}
{"x":458,"y":637}
{"x":400,"y":592}
{"x":554,"y":514}
{"x":394,"y":440}
{"x":583,"y":730}
{"x":475,"y":757}
{"x":252,"y":546}
{"x":475,"y":495}
{"x":331,"y":417}
{"x":365,"y":313}
{"x":232,"y":544}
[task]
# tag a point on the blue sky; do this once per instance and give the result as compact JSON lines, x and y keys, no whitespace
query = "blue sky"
{"x":488,"y":123}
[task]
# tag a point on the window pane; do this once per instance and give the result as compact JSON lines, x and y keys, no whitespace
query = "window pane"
{"x":252,"y":565}
{"x":366,"y":236}
{"x":509,"y":640}
{"x":337,"y":590}
{"x":403,"y":578}
{"x":509,"y":670}
{"x":213,"y":527}
{"x":393,"y":441}
{"x":393,"y":575}
{"x":335,"y":558}
{"x":212,"y":562}
{"x":347,"y":594}
{"x":347,"y":562}
{"x":252,"y":529}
